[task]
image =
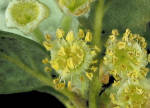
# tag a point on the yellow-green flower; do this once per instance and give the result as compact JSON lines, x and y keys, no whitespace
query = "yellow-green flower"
{"x":25,"y":14}
{"x":126,"y":57}
{"x":131,"y":95}
{"x":75,"y":7}
{"x":71,"y":56}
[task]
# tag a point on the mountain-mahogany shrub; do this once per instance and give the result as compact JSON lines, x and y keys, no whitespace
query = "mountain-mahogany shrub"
{"x":76,"y":67}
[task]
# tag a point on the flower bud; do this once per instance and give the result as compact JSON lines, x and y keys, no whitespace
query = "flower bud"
{"x":25,"y":14}
{"x":75,"y":7}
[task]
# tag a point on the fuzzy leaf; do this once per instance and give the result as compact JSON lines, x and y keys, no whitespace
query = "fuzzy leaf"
{"x":122,"y":14}
{"x":52,"y":91}
{"x":17,"y":52}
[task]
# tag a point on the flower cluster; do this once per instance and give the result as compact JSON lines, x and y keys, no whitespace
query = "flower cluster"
{"x":126,"y":59}
{"x":75,"y":7}
{"x":131,"y":96}
{"x":71,"y":56}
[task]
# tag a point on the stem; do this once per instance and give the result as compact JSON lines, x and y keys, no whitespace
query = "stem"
{"x":98,"y":22}
{"x":63,"y":99}
{"x":76,"y":100}
{"x":95,"y":87}
{"x":38,"y":35}
{"x":95,"y":84}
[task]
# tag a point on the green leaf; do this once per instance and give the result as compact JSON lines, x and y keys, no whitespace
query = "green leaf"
{"x":57,"y":19}
{"x":62,"y":98}
{"x":20,"y":64}
{"x":3,"y":4}
{"x":122,"y":14}
{"x":132,"y":14}
{"x":52,"y":91}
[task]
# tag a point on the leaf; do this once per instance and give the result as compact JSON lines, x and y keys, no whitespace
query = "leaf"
{"x":132,"y":14}
{"x":52,"y":91}
{"x":20,"y":63}
{"x":3,"y":4}
{"x":57,"y":19}
{"x":50,"y":24}
{"x":122,"y":14}
{"x":62,"y":98}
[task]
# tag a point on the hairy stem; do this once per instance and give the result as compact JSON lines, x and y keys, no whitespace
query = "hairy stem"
{"x":95,"y":87}
{"x":76,"y":99}
{"x":95,"y":84}
{"x":99,"y":12}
